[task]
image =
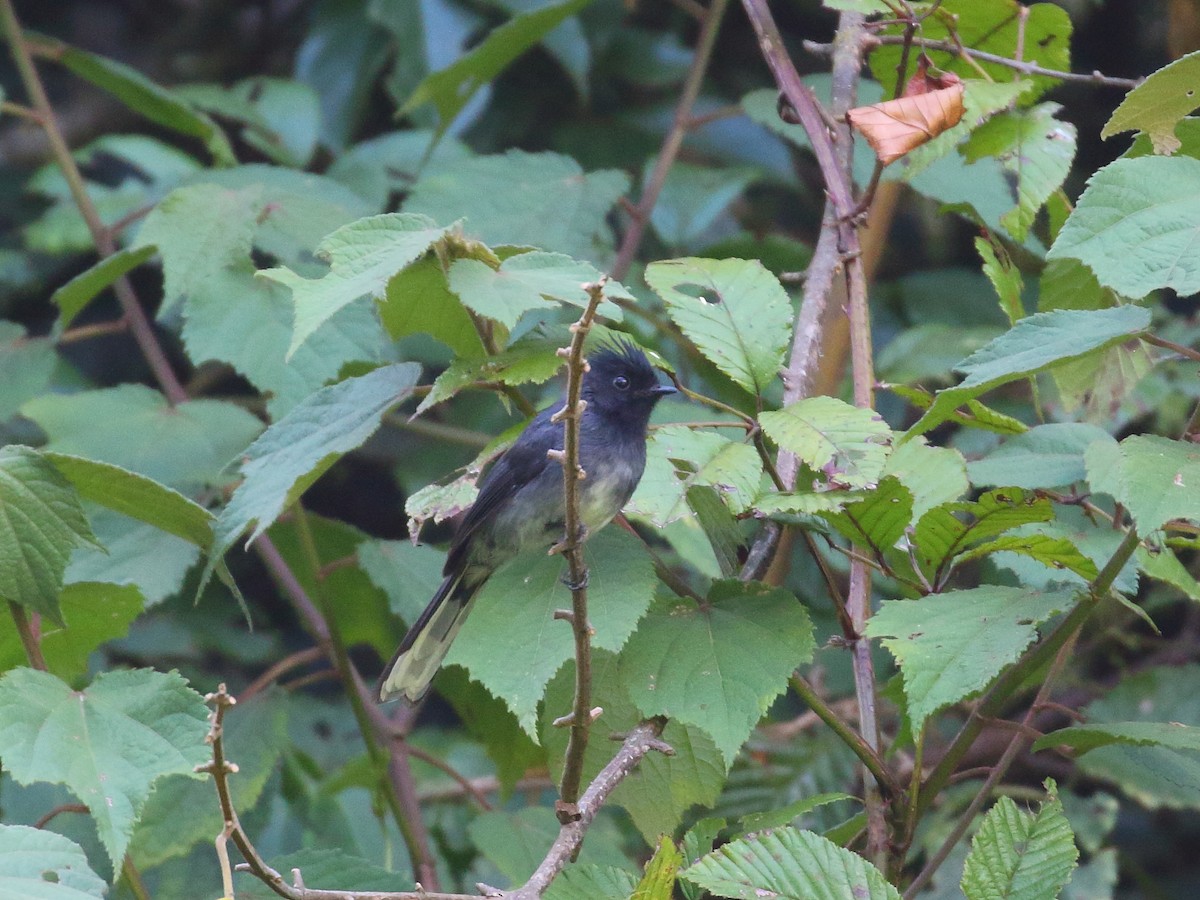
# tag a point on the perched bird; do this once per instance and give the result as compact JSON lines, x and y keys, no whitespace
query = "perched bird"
{"x":520,"y":503}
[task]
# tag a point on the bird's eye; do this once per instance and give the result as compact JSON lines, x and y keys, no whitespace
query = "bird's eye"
{"x":621,"y":383}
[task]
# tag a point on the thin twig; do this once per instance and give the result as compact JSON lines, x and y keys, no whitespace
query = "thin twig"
{"x":102,"y":237}
{"x":441,"y":765}
{"x":282,"y":667}
{"x":1181,"y":349}
{"x":99,"y":329}
{"x":674,"y":140}
{"x":571,"y":548}
{"x":58,"y":811}
{"x":978,"y":56}
{"x":30,"y":638}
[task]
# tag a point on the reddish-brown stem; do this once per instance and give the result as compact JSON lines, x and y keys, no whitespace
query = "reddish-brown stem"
{"x":30,"y":639}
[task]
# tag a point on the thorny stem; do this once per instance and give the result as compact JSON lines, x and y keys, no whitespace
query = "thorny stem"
{"x":978,"y":56}
{"x":572,"y":549}
{"x":640,"y":216}
{"x":102,"y":237}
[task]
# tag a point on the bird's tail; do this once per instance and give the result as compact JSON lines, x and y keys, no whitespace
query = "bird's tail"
{"x":411,"y":670}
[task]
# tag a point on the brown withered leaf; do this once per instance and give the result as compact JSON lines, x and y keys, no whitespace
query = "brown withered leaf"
{"x":897,"y":126}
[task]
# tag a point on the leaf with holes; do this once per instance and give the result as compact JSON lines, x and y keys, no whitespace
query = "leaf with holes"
{"x":1155,"y":478}
{"x":37,"y":864}
{"x":1156,"y":105}
{"x":734,"y":310}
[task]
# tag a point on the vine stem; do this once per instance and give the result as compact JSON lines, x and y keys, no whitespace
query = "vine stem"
{"x":571,"y":548}
{"x":139,"y":324}
{"x":640,"y":214}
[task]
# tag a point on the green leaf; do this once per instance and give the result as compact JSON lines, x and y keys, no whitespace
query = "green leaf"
{"x":108,"y":744}
{"x":1154,"y":776}
{"x":1082,"y":738}
{"x":689,"y":662}
{"x":847,"y":444}
{"x":300,"y":447}
{"x":1033,"y":147}
{"x":1157,"y":104}
{"x":135,"y":554}
{"x":254,"y":736}
{"x":692,"y":200}
{"x":1135,"y":224}
{"x":408,"y":574}
{"x":282,"y":116}
{"x":186,"y":446}
{"x":1046,"y":456}
{"x":418,"y":300}
{"x":1155,"y":478}
{"x":199,"y":229}
{"x":933,"y":475}
{"x":136,"y":496}
{"x":440,"y":501}
{"x":148,"y":99}
{"x":1018,"y":855}
{"x":877,"y":521}
{"x":658,"y":882}
{"x":38,"y":864}
{"x":734,"y":311}
{"x":1004,"y":276}
{"x":1053,"y":552}
{"x":329,"y":870}
{"x":530,"y":361}
{"x":1164,"y":565}
{"x":950,"y":646}
{"x":785,"y":815}
{"x":94,"y":612}
{"x":454,"y":86}
{"x":542,"y":200}
{"x":1033,"y":344}
{"x":680,"y":458}
{"x":662,"y":788}
{"x":247,"y":322}
{"x":526,"y":282}
{"x":363,"y":257}
{"x":73,"y":296}
{"x":515,"y":842}
{"x":941,"y":534}
{"x":790,"y":864}
{"x":41,"y":522}
{"x":26,"y":367}
{"x":514,"y":615}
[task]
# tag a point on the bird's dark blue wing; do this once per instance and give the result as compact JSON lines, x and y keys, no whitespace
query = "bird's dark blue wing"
{"x":524,"y":461}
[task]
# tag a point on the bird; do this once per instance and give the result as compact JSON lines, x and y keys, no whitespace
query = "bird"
{"x":520,"y":504}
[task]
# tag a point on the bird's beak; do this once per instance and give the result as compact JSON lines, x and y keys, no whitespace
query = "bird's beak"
{"x":662,"y":390}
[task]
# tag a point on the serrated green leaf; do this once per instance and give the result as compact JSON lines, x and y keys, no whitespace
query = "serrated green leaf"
{"x":525,"y":282}
{"x":1155,"y":478}
{"x":363,"y":257}
{"x":1017,"y":855}
{"x":1157,"y":104}
{"x":73,"y":296}
{"x":718,"y":525}
{"x":41,"y":522}
{"x":440,"y":502}
{"x":733,"y":310}
{"x":26,"y":367}
{"x":785,"y":815}
{"x":1155,"y":777}
{"x":1004,"y":276}
{"x":408,"y":574}
{"x":532,"y":361}
{"x":877,"y":521}
{"x":37,"y":864}
{"x":300,"y":447}
{"x":108,"y":743}
{"x":689,"y":662}
{"x":790,"y":864}
{"x":680,"y":458}
{"x":146,"y":98}
{"x":136,"y":496}
{"x":1053,"y":552}
{"x":1032,"y":345}
{"x":658,"y":882}
{"x":515,"y":842}
{"x":1134,"y":226}
{"x":933,"y":475}
{"x":662,"y":788}
{"x":591,"y":882}
{"x":514,"y":615}
{"x":1046,"y":456}
{"x":254,"y":737}
{"x":950,"y":646}
{"x":418,"y":300}
{"x":849,"y":445}
{"x":324,"y":869}
{"x":452,"y":88}
{"x":186,"y":446}
{"x":692,"y":199}
{"x":247,"y":322}
{"x":197,"y":229}
{"x":1033,"y":147}
{"x":1082,"y":738}
{"x":948,"y":530}
{"x":94,"y":613}
{"x":153,"y":561}
{"x":543,"y":200}
{"x":1163,"y":565}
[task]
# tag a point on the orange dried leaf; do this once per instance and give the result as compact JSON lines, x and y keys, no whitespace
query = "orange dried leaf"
{"x":898,"y":126}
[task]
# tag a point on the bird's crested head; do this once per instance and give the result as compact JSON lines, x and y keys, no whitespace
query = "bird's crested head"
{"x":621,"y":382}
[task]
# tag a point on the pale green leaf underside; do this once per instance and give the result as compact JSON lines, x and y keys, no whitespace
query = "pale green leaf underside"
{"x":849,"y":445}
{"x":1156,"y":478}
{"x":29,"y":856}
